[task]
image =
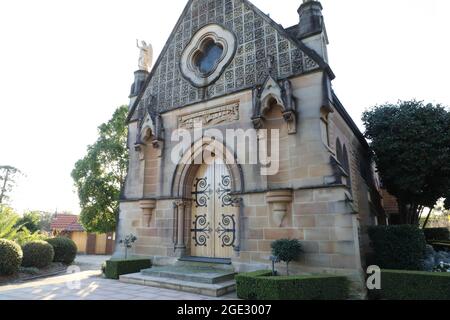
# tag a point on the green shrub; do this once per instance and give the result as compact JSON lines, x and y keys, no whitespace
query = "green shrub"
{"x":38,"y":254}
{"x":260,"y":285}
{"x":10,"y":257}
{"x":287,"y":250}
{"x":65,"y":250}
{"x":440,"y":245}
{"x":10,"y":229}
{"x":398,"y":247}
{"x":437,"y":234}
{"x":413,"y":285}
{"x":115,"y":268}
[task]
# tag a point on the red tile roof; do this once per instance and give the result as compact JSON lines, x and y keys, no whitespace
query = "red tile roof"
{"x":66,"y":222}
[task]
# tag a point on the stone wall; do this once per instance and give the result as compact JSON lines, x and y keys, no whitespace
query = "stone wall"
{"x":327,"y":216}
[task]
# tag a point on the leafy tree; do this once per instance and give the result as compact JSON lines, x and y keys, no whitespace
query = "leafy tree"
{"x":99,"y":176}
{"x":10,"y":229}
{"x":8,"y":176}
{"x":411,"y":144}
{"x":30,"y":220}
{"x":46,"y":221}
{"x":8,"y":223}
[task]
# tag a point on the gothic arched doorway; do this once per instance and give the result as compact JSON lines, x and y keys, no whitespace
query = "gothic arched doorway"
{"x":214,"y":223}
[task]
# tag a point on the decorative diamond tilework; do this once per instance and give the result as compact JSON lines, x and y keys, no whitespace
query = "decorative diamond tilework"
{"x":257,"y":40}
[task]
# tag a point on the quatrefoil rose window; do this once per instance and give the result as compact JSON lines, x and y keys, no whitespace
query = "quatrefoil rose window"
{"x":207,"y":55}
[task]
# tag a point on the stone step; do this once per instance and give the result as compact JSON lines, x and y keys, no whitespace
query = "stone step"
{"x":216,"y":261}
{"x":204,"y":265}
{"x":212,"y":290}
{"x":199,"y":274}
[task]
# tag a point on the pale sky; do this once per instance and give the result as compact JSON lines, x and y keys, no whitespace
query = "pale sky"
{"x":66,"y":65}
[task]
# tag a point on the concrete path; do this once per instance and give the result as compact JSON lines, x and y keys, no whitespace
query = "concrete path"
{"x":89,"y":285}
{"x":90,"y":262}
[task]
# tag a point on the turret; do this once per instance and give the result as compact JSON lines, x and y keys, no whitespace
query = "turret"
{"x":311,"y":27}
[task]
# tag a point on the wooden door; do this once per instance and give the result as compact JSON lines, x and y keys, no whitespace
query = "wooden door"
{"x":90,"y":245}
{"x":110,"y":243}
{"x":100,"y":244}
{"x":213,"y":213}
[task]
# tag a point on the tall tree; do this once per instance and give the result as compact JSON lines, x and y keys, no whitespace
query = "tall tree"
{"x":8,"y":176}
{"x":99,"y":176}
{"x":30,"y":220}
{"x":411,"y":144}
{"x":46,"y":221}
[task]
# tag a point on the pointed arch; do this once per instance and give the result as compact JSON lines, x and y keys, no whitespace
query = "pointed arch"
{"x":193,"y":158}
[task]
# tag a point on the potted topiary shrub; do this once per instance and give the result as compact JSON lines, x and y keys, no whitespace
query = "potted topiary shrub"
{"x":127,"y":242}
{"x":287,"y":251}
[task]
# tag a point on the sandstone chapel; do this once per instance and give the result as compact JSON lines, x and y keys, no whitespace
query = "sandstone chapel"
{"x":227,"y":66}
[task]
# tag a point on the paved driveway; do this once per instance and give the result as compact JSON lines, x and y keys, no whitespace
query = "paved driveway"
{"x":90,"y":262}
{"x":89,"y":285}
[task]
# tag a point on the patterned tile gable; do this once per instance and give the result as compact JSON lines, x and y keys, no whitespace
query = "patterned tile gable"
{"x":258,"y":39}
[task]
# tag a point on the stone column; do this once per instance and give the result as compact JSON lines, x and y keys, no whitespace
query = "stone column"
{"x":147,"y":206}
{"x":279,"y":202}
{"x":180,"y":211}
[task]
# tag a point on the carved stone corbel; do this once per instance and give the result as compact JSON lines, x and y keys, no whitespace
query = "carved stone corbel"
{"x":279,"y":202}
{"x":147,"y":206}
{"x":257,"y":118}
{"x":291,"y":120}
{"x":258,"y":122}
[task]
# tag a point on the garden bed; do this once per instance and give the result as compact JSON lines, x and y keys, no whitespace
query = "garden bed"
{"x":413,"y":285}
{"x":261,"y":285}
{"x":28,"y":274}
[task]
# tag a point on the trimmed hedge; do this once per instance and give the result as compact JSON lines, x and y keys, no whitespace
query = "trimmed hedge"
{"x":65,"y":250}
{"x":400,"y":247}
{"x":10,"y":257}
{"x":413,"y":285}
{"x":440,"y":245}
{"x":261,"y":285}
{"x":437,"y":234}
{"x":38,"y":254}
{"x":115,"y":268}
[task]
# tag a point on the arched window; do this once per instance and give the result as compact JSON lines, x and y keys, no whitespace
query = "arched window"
{"x":346,"y":165}
{"x":325,"y":129}
{"x":342,"y":157}
{"x":339,"y":150}
{"x":344,"y":161}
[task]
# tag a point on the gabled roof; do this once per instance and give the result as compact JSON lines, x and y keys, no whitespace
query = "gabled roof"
{"x":311,"y":54}
{"x":66,"y":222}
